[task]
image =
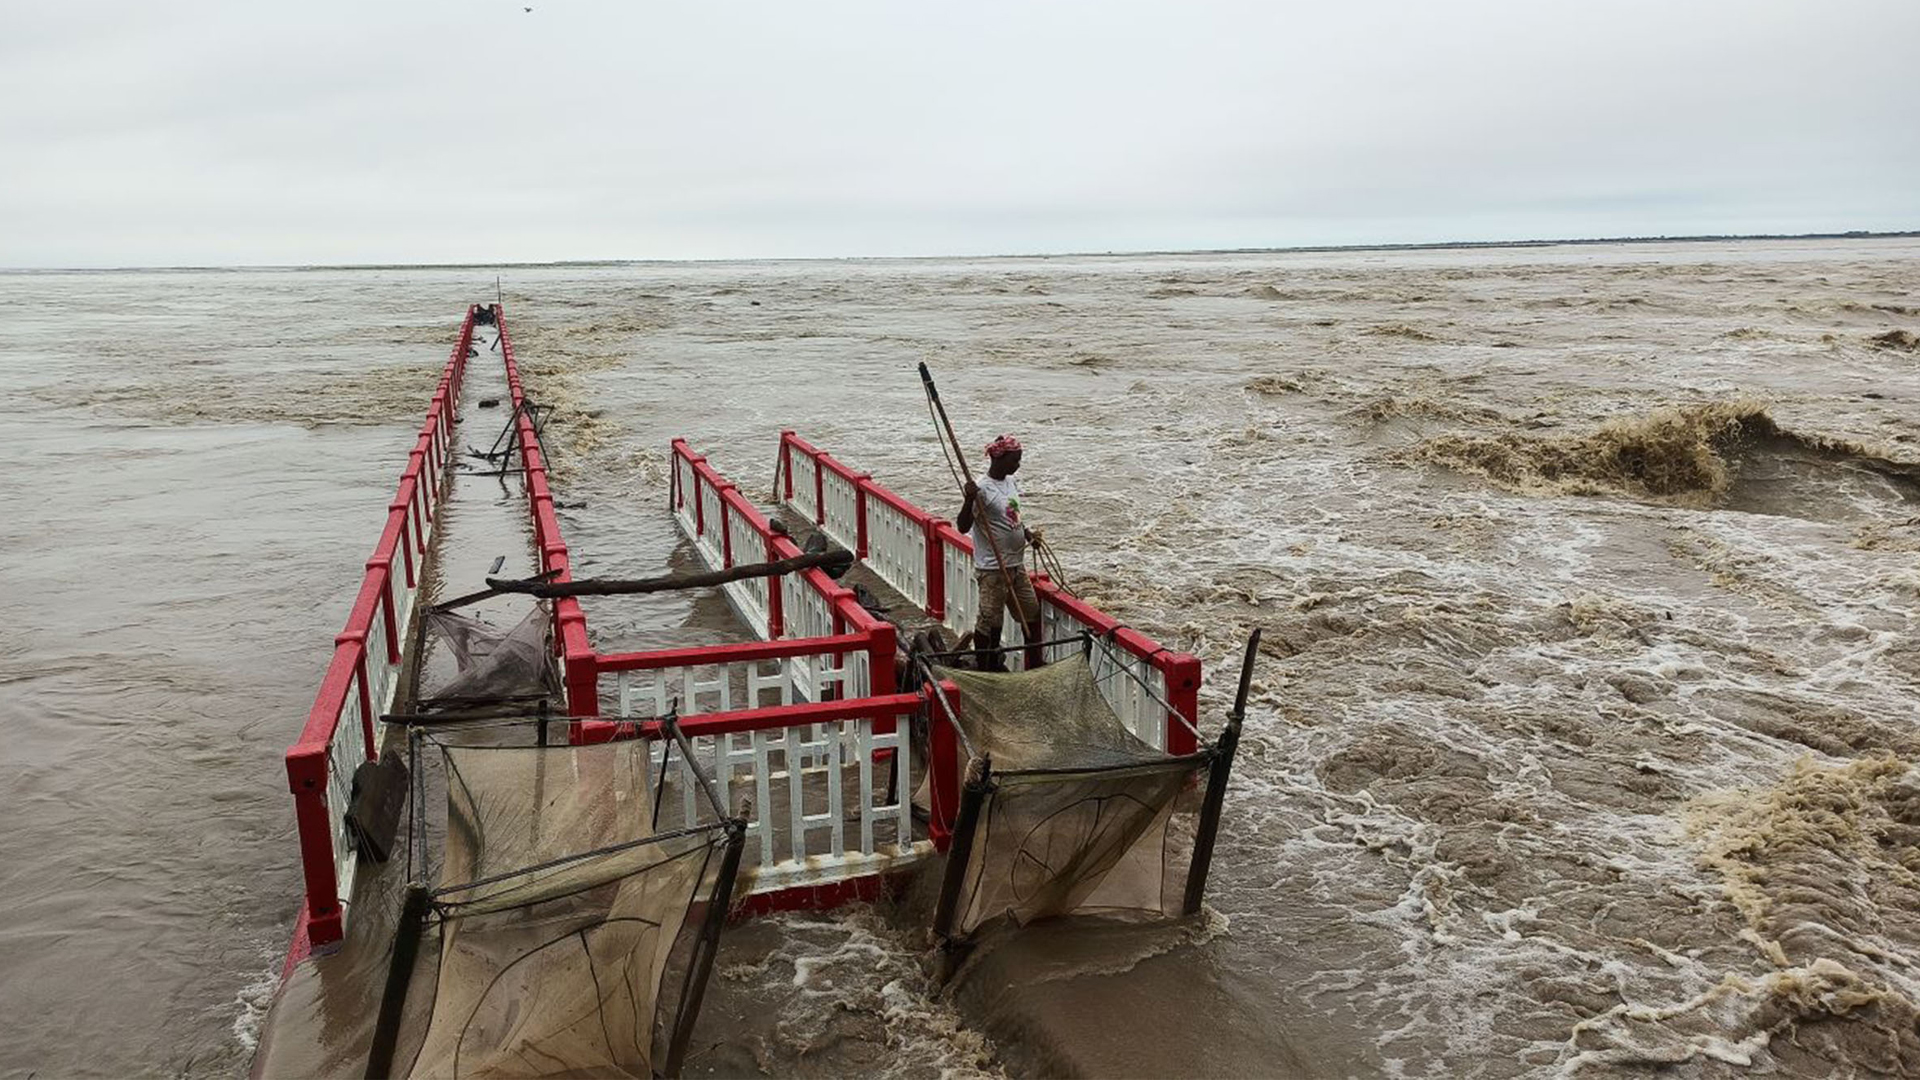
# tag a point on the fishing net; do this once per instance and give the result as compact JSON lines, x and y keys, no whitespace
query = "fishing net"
{"x":562,"y":911}
{"x":494,"y":664}
{"x":1081,"y":814}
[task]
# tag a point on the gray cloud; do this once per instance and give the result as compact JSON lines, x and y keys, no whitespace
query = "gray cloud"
{"x":236,"y":133}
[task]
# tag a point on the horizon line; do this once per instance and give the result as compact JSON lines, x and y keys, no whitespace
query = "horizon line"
{"x":1436,"y":245}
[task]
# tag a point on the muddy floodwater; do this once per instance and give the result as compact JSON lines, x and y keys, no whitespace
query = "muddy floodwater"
{"x":1581,"y":740}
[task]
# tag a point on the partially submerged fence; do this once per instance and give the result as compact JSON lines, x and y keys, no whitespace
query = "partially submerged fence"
{"x":367,"y":659}
{"x":803,"y":727}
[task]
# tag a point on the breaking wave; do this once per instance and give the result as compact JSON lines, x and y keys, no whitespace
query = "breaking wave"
{"x":1824,"y":868}
{"x":1691,"y":456}
{"x":1401,"y":330}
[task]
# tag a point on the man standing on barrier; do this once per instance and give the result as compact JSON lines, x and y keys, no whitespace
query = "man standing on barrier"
{"x":1000,"y":555}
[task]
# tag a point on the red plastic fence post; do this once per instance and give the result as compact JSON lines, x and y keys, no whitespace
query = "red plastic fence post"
{"x":786,"y":464}
{"x":943,"y":768}
{"x":881,"y":642}
{"x":776,"y":600}
{"x":384,"y":564}
{"x":726,"y":530}
{"x":1183,"y":693}
{"x":417,"y":536}
{"x":307,"y":779}
{"x":860,"y":482}
{"x":417,"y":466}
{"x":583,"y":683}
{"x":936,"y":569}
{"x":819,"y":489}
{"x":406,"y":558}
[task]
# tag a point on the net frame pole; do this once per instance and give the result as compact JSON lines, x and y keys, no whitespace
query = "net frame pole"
{"x":1208,"y":832}
{"x":948,"y":654}
{"x":706,"y":948}
{"x":972,"y":798}
{"x":393,"y":999}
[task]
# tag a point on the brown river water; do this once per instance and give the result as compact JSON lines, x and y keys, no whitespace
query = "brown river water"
{"x":1580,"y":743}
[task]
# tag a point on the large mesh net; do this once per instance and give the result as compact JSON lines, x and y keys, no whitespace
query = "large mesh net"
{"x":1080,"y":814}
{"x":561,"y":912}
{"x":494,"y":664}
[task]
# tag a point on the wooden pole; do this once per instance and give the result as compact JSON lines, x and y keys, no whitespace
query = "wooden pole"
{"x":933,"y":395}
{"x":706,"y":946}
{"x":834,"y":563}
{"x":972,"y":798}
{"x":393,"y":1000}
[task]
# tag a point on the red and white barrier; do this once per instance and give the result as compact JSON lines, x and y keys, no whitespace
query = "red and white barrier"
{"x":927,"y":560}
{"x":804,"y":709}
{"x":361,"y":679}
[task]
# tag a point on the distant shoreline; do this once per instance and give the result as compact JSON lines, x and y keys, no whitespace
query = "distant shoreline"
{"x":1438,"y":245}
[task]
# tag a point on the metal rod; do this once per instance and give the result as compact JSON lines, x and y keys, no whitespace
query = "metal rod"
{"x":940,"y":693}
{"x":393,"y":1000}
{"x":1165,"y":764}
{"x":1074,"y":640}
{"x":972,"y":798}
{"x":416,"y":796}
{"x":550,"y":864}
{"x":1208,"y":832}
{"x":439,"y":701}
{"x":700,"y":774}
{"x":708,"y":946}
{"x":671,"y":722}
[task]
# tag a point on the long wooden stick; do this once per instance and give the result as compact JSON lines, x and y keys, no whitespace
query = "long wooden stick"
{"x":979,"y":504}
{"x":834,"y":562}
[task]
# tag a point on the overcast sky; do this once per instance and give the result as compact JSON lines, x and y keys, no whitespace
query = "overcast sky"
{"x":183,"y":133}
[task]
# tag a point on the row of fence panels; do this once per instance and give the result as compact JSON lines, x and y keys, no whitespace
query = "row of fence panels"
{"x":364,"y":673}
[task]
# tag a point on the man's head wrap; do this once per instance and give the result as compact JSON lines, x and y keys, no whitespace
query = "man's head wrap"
{"x":1005,"y":444}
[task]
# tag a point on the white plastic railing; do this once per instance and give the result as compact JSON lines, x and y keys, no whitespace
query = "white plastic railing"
{"x":795,"y":774}
{"x":1124,"y":679}
{"x":708,"y":540}
{"x":841,"y":499}
{"x":799,"y":466}
{"x":346,"y":753}
{"x":750,"y":596}
{"x":897,"y":549}
{"x":722,"y":685}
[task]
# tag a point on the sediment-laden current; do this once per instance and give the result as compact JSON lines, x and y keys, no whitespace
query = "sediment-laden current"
{"x":1581,"y":741}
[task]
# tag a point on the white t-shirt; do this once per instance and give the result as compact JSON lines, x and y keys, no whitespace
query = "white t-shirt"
{"x":998,"y":507}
